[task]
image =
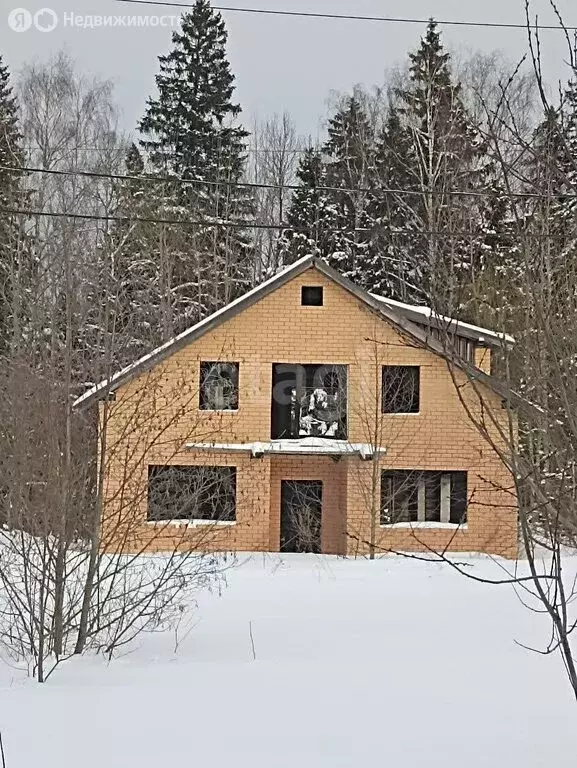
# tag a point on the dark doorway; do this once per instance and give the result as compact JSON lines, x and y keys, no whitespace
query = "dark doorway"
{"x":301,"y":512}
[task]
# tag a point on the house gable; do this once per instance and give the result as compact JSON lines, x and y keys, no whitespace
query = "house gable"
{"x":317,"y":273}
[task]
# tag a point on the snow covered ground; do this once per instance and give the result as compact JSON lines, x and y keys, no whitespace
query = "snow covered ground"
{"x":395,"y":663}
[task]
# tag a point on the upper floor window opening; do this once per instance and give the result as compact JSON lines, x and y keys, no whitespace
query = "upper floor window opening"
{"x":401,"y":389}
{"x":309,"y":400}
{"x":218,"y":386}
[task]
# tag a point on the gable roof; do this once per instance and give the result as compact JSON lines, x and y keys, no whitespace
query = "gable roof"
{"x":422,"y":315}
{"x":384,"y":307}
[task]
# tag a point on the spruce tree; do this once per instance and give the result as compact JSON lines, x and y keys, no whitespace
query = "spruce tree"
{"x":139,"y":302}
{"x":550,"y":262}
{"x":189,"y":132}
{"x":449,"y":158}
{"x":11,"y":241}
{"x":349,"y":150}
{"x":391,"y":269}
{"x":185,"y":128}
{"x":311,"y":214}
{"x":491,"y":297}
{"x":552,"y":170}
{"x":550,"y":215}
{"x":334,"y":224}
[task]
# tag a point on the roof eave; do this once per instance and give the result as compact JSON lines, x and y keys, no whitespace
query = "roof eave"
{"x":475,"y":333}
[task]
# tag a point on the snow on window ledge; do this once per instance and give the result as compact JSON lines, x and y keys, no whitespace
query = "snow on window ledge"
{"x":192,"y":523}
{"x":218,"y":410}
{"x":431,"y":524}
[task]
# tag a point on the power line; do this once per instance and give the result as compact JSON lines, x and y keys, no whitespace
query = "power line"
{"x":226,"y":224}
{"x":248,"y":150}
{"x":357,"y":17}
{"x":161,"y":179}
{"x":279,"y":187}
{"x":144,"y":219}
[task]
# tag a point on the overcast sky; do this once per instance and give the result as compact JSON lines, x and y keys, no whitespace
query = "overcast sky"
{"x":284,"y":63}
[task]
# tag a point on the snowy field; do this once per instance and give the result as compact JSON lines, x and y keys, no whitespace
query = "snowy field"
{"x":390,"y":663}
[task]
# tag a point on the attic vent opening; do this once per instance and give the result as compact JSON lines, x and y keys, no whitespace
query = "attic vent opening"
{"x":312,"y":296}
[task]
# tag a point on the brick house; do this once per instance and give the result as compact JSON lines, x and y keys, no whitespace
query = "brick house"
{"x":308,"y":415}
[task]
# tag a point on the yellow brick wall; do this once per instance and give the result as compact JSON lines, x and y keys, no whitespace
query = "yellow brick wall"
{"x":155,"y":415}
{"x":483,"y":358}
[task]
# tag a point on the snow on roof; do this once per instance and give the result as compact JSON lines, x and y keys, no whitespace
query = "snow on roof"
{"x":457,"y":325}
